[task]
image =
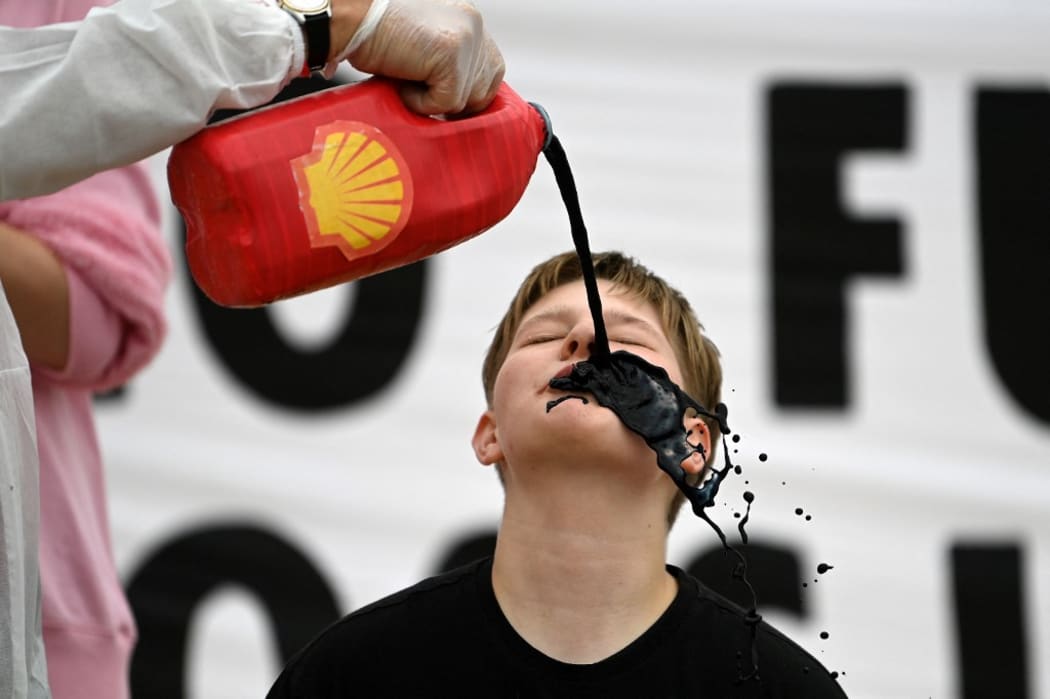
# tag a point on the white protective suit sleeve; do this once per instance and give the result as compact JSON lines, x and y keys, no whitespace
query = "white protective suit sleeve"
{"x":23,"y":669}
{"x":130,"y":80}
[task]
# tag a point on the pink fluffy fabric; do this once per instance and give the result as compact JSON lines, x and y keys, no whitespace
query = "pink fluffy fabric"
{"x":105,"y":230}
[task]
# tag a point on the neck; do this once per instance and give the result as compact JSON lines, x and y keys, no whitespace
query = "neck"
{"x":581,"y":577}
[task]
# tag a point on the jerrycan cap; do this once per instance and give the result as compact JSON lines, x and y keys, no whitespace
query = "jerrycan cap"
{"x":546,"y":124}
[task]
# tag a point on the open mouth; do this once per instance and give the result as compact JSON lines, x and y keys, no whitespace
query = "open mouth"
{"x":562,"y":381}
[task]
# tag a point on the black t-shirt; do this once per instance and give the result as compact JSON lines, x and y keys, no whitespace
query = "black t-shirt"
{"x":447,"y":637}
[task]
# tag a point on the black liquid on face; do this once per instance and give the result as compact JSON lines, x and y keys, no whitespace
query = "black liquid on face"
{"x":551,"y":404}
{"x":650,"y":404}
{"x":645,"y":399}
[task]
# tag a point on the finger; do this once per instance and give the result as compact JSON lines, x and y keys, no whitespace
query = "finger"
{"x":486,"y":85}
{"x":447,"y":88}
{"x":430,"y":99}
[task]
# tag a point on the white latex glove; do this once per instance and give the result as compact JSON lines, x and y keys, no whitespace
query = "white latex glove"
{"x":440,"y":47}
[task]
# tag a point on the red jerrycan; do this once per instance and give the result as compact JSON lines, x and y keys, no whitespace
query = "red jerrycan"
{"x":341,"y":184}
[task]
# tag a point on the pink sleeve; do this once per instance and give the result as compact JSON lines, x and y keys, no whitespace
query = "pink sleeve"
{"x":106,"y":232}
{"x":95,"y":334}
{"x":34,"y":14}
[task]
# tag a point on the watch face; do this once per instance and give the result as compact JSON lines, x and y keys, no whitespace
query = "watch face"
{"x":307,"y":6}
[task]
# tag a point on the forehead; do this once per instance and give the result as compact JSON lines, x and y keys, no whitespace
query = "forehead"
{"x":618,"y":304}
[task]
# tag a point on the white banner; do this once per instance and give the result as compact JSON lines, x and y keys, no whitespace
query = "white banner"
{"x":845,"y":193}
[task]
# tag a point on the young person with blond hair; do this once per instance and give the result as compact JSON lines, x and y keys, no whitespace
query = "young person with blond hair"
{"x":578,"y":599}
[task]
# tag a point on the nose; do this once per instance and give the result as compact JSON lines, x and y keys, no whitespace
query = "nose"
{"x":579,"y":342}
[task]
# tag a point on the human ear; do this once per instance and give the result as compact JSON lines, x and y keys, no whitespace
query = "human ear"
{"x":486,"y":444}
{"x":698,"y":435}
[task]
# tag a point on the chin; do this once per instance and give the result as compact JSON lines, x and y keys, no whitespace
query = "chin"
{"x":592,"y":428}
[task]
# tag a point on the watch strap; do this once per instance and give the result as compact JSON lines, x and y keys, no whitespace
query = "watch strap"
{"x":317,"y":31}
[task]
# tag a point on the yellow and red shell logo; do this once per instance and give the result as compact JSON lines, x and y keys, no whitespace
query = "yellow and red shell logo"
{"x":355,"y":190}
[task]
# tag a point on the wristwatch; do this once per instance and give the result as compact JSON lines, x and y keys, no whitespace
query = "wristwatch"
{"x":314,"y":16}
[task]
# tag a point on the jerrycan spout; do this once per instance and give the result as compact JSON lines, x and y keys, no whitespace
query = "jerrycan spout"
{"x":548,"y":128}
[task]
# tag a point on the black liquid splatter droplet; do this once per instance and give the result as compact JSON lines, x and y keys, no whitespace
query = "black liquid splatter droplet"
{"x":749,"y":498}
{"x":835,"y":675}
{"x":809,"y":517}
{"x":736,"y":438}
{"x":824,"y":635}
{"x":737,"y":470}
{"x":762,"y":457}
{"x":823,"y":568}
{"x":798,"y":510}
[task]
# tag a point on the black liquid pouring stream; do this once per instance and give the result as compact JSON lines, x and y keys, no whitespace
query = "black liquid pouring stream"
{"x":642,"y":395}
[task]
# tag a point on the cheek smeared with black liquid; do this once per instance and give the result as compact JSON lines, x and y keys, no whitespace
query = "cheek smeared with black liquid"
{"x":650,"y":404}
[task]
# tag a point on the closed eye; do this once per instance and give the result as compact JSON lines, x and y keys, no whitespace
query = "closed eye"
{"x":627,"y":341}
{"x":540,"y":339}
